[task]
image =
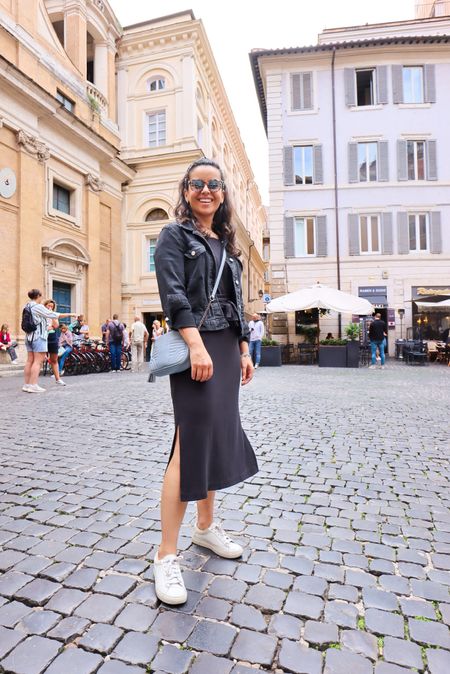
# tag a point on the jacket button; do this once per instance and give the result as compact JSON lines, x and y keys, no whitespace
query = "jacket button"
{"x":231,"y":259}
{"x":192,"y":252}
{"x":237,"y":282}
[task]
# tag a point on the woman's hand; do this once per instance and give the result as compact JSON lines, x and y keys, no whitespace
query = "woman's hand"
{"x":201,"y":363}
{"x":247,"y":369}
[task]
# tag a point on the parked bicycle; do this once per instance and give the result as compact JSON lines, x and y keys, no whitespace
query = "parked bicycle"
{"x":89,"y":357}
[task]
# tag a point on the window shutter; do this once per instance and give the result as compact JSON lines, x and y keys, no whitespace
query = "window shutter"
{"x":431,"y":160}
{"x":402,"y":233}
{"x":382,"y":88}
{"x":397,"y":84}
{"x":307,"y":91}
{"x":435,"y":232}
{"x":349,"y":86}
{"x":295,"y":92}
{"x":383,"y":160}
{"x":387,"y":242}
{"x":402,"y":160}
{"x":429,"y":72}
{"x":321,"y":236}
{"x":289,"y":243}
{"x":288,"y":165}
{"x":353,"y":234}
{"x":318,"y":165}
{"x":353,"y":176}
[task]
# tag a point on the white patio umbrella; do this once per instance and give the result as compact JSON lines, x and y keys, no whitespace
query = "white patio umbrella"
{"x":319,"y":296}
{"x":444,"y":304}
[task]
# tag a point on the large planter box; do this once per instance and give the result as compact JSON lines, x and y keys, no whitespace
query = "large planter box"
{"x":271,"y":356}
{"x":353,"y":354}
{"x":332,"y":356}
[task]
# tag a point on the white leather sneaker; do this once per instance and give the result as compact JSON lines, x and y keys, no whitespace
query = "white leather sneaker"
{"x":35,"y":388}
{"x":169,"y":584}
{"x":217,"y":540}
{"x":26,"y":388}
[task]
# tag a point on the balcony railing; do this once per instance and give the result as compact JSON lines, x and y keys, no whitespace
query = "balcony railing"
{"x":97,"y":100}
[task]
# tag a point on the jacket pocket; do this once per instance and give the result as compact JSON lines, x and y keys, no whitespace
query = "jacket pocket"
{"x":195,"y":250}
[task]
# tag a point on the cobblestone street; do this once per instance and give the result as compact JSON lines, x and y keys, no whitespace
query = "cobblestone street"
{"x":346,"y":527}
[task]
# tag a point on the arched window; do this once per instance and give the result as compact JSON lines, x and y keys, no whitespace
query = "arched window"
{"x":156,"y":214}
{"x":156,"y":84}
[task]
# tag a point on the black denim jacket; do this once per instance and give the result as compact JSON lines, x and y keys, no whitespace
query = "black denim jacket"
{"x":186,"y":272}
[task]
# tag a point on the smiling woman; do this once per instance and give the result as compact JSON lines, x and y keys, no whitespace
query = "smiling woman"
{"x":210,"y":450}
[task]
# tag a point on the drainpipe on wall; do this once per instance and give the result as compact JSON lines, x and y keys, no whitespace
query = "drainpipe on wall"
{"x":248,"y":269}
{"x":336,"y":195}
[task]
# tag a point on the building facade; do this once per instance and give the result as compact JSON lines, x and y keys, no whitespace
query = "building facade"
{"x":173,"y":109}
{"x":60,"y":171}
{"x":360,"y":170}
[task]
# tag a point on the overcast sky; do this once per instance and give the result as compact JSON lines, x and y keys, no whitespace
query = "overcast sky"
{"x":237,"y":26}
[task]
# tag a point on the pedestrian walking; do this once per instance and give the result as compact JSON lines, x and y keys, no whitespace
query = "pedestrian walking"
{"x":210,"y":450}
{"x":7,"y":344}
{"x":65,"y":345}
{"x":114,"y":337}
{"x":35,"y":319}
{"x":104,"y":329}
{"x":377,"y":337}
{"x":256,"y":335}
{"x":138,"y":338}
{"x":53,"y":342}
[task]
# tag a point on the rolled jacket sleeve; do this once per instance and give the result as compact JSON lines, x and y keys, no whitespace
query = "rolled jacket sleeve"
{"x":169,"y":265}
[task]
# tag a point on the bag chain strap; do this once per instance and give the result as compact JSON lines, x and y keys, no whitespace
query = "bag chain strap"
{"x":214,"y":290}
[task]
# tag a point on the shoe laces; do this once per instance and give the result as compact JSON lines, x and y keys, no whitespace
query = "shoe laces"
{"x":172,"y":571}
{"x":217,"y":528}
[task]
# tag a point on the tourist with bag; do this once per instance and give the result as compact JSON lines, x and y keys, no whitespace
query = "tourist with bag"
{"x":199,"y":278}
{"x":114,"y":337}
{"x":35,"y":319}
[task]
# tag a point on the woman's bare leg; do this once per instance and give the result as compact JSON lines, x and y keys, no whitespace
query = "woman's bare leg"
{"x":53,"y":358}
{"x":205,"y":511}
{"x":172,"y":508}
{"x":27,"y":368}
{"x":36,"y":367}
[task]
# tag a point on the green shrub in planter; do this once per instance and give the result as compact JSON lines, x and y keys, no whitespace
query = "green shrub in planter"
{"x":268,"y":342}
{"x":352,"y":331}
{"x":333,"y":342}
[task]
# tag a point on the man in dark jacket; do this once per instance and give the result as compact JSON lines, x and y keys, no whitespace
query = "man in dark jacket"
{"x":377,"y":334}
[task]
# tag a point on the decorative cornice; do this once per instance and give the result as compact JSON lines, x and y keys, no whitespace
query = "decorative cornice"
{"x":94,"y":183}
{"x":33,"y":146}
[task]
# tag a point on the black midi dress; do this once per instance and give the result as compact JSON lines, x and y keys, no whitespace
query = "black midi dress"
{"x":214,"y":451}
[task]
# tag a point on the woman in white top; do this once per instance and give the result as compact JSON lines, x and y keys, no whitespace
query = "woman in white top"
{"x":36,"y":341}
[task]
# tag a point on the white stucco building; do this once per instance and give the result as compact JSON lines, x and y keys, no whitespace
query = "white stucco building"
{"x":359,"y":155}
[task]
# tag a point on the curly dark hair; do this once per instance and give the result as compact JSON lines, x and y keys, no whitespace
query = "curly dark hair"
{"x":222,"y":224}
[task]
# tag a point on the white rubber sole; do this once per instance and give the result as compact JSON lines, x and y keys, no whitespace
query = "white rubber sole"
{"x":219,"y":551}
{"x":171,"y":601}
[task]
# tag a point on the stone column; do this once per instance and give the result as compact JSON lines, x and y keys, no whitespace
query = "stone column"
{"x":75,"y":35}
{"x":122,"y":107}
{"x":93,"y":281}
{"x":111,"y":92}
{"x":101,"y":67}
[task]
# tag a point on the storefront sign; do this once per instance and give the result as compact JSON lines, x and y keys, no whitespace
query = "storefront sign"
{"x":377,"y":295}
{"x":391,"y":318}
{"x":427,"y":291}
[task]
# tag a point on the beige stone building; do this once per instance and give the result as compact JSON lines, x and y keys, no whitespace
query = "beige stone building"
{"x":60,"y":171}
{"x":173,"y":108}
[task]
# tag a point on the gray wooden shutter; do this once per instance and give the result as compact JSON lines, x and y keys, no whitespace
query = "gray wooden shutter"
{"x":382,"y":87}
{"x":318,"y":165}
{"x":397,"y":83}
{"x":353,"y":234}
{"x":429,"y":73}
{"x":289,"y":241}
{"x":435,"y":232}
{"x":353,"y":173}
{"x":288,"y":165}
{"x":402,"y":160}
{"x":431,"y":160}
{"x":307,"y":103}
{"x":295,"y":92}
{"x":383,"y":160}
{"x":387,"y":242}
{"x":321,"y":236}
{"x":402,"y":233}
{"x":349,"y":86}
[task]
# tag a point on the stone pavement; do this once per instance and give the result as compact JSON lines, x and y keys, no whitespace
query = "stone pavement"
{"x":346,"y":527}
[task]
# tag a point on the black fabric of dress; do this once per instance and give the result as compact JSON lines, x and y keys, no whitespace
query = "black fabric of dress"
{"x":214,"y":451}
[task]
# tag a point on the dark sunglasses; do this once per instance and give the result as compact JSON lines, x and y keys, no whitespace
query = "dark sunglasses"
{"x":212,"y":185}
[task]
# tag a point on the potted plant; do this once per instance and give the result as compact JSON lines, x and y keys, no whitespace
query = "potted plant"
{"x":333,"y":353}
{"x":270,"y":353}
{"x":352,"y":331}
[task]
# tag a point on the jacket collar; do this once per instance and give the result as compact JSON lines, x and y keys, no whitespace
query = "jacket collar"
{"x":190,"y":227}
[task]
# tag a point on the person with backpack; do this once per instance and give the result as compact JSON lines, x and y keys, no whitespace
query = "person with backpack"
{"x":35,"y":319}
{"x":114,"y":337}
